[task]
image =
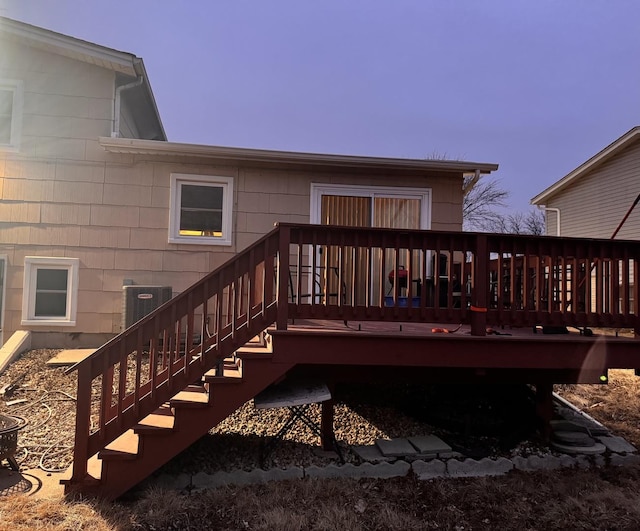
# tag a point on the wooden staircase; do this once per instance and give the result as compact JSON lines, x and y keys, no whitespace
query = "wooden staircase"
{"x":164,"y":382}
{"x":179,"y":422}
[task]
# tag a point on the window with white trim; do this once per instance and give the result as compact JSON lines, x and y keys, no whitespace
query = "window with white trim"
{"x":50,"y":291}
{"x":10,"y":113}
{"x":201,"y":209}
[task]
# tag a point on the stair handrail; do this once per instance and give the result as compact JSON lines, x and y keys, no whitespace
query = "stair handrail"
{"x":130,"y":408}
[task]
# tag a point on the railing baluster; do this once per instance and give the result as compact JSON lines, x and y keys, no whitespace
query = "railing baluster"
{"x":636,"y":295}
{"x":314,"y":271}
{"x":106,"y":395}
{"x":153,"y":358}
{"x":283,"y":272}
{"x":136,"y":389}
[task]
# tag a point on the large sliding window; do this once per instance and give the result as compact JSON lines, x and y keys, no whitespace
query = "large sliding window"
{"x":378,"y":206}
{"x":357,"y":206}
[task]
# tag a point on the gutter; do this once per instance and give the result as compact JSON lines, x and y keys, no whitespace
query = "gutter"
{"x":142,"y":80}
{"x":152,"y":147}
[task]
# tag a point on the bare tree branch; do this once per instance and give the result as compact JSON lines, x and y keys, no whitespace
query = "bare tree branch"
{"x":480,"y":202}
{"x":479,"y":210}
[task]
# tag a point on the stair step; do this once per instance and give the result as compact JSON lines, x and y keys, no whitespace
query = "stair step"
{"x":257,"y":352}
{"x":124,"y":447}
{"x":255,"y":341}
{"x":161,"y":421}
{"x":192,"y":396}
{"x":229,"y":375}
{"x":94,"y":472}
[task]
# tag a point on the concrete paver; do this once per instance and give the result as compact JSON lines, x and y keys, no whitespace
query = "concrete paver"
{"x":370,"y":454}
{"x":430,"y":445}
{"x":573,"y":438}
{"x":617,"y":444}
{"x":470,"y":468}
{"x":625,"y":460}
{"x":547,"y":462}
{"x":429,"y":469}
{"x":567,"y":425}
{"x":595,"y":449}
{"x":396,"y":447}
{"x":365,"y":470}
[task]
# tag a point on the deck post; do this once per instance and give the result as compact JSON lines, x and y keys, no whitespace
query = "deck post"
{"x":327,"y":425}
{"x":480,"y":279}
{"x":544,"y":408}
{"x":83,"y":421}
{"x":283,"y":277}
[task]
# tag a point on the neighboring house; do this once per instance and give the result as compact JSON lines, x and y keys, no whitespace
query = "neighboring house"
{"x":93,"y":197}
{"x":593,"y":199}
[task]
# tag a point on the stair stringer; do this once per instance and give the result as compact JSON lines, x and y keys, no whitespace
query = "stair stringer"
{"x":118,"y":476}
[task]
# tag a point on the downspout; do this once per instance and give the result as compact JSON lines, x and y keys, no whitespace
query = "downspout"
{"x":471,"y":183}
{"x":115,"y":133}
{"x":557,"y":211}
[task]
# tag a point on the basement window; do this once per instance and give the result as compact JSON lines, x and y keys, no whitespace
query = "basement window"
{"x":201,"y":209}
{"x":50,"y":291}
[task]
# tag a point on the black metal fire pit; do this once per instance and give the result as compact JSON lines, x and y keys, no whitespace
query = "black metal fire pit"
{"x":9,"y":427}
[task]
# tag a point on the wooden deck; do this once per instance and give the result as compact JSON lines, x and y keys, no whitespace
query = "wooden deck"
{"x":503,"y":353}
{"x":334,"y":306}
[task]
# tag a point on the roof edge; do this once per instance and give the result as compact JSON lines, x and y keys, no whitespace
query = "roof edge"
{"x":121,"y":61}
{"x":599,"y":158}
{"x":152,"y":147}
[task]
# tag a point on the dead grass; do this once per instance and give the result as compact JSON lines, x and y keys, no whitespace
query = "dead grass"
{"x":567,"y":499}
{"x":616,"y":405}
{"x":606,"y":498}
{"x":20,"y":513}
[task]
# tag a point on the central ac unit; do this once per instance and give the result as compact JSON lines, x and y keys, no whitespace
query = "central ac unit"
{"x":138,"y":301}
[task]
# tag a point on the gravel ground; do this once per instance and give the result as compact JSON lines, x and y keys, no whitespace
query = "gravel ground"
{"x":362,"y":415}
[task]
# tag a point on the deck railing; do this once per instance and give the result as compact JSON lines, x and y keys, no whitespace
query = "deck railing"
{"x":455,"y":277}
{"x":327,"y":272}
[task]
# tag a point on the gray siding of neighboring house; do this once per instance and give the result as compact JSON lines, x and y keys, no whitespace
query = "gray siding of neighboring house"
{"x":595,"y":204}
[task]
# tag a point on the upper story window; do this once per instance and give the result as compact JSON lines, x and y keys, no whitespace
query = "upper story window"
{"x":10,"y":113}
{"x":201,"y":209}
{"x":50,"y":291}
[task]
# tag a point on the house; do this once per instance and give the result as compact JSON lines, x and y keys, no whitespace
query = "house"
{"x":366,"y":275}
{"x":93,"y":198}
{"x":593,"y":199}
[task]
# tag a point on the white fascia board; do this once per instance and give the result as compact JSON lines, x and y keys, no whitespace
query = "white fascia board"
{"x":66,"y":45}
{"x":151,"y":147}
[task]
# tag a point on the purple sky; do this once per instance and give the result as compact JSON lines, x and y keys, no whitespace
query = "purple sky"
{"x":537,"y":86}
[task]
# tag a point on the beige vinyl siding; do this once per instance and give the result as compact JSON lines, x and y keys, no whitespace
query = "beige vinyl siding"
{"x":113,"y":216}
{"x":551,"y":223}
{"x":62,"y":195}
{"x":596,"y":203}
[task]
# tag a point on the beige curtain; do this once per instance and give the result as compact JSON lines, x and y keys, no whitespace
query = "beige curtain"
{"x":354,"y":211}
